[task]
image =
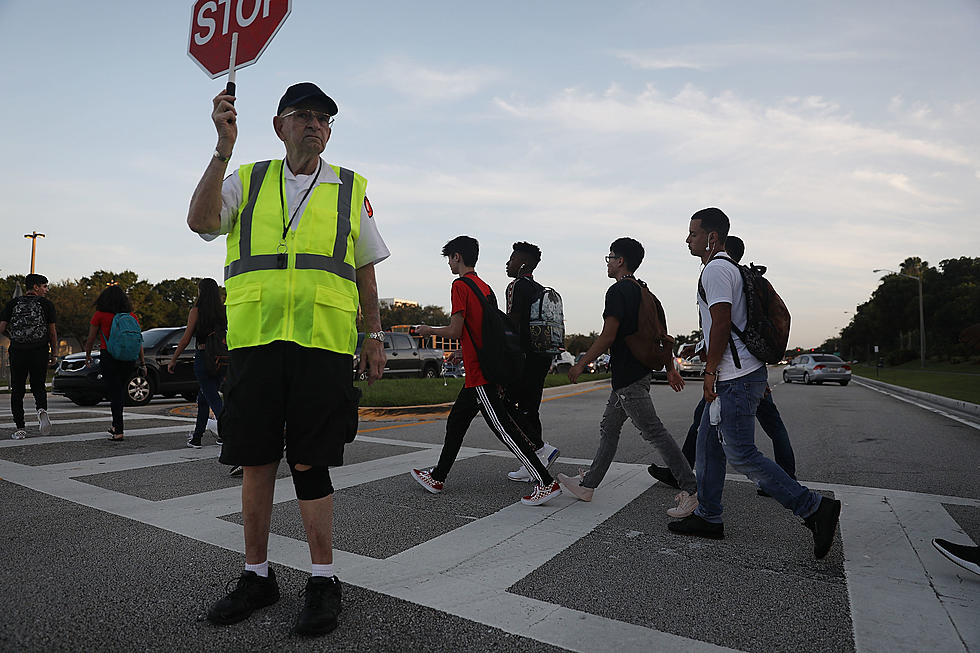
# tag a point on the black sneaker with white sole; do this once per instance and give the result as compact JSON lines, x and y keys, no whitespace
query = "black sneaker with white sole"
{"x":965,"y":556}
{"x":321,"y":608}
{"x":251,"y":593}
{"x":194,"y":442}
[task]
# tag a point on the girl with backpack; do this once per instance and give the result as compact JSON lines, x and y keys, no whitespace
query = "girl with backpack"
{"x":206,"y":317}
{"x":114,"y":312}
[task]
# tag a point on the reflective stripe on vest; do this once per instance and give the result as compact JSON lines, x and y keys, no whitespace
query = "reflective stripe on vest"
{"x":335,"y":264}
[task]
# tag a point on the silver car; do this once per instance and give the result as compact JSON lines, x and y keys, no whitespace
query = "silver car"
{"x":817,"y":368}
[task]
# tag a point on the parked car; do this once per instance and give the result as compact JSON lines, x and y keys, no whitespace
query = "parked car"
{"x":405,"y":358}
{"x":562,"y":362}
{"x":453,"y":367}
{"x":817,"y":368}
{"x":689,"y":366}
{"x":83,"y":385}
{"x":602,"y":363}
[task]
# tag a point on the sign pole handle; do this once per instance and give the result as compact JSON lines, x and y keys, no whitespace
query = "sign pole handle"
{"x":230,"y":87}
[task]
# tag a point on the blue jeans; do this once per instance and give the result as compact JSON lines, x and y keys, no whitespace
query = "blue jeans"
{"x":207,"y":394}
{"x":734,"y":440}
{"x":769,"y":420}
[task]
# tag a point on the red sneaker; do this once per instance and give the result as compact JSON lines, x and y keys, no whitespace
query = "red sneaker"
{"x":424,"y":477}
{"x":542,"y":494}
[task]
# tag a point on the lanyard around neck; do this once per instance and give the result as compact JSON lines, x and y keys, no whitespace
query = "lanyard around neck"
{"x":282,"y":197}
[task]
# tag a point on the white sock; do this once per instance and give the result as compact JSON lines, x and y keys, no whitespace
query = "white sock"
{"x":325,"y":571}
{"x":262,"y":569}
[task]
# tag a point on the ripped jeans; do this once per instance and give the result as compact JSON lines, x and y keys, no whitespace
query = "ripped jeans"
{"x":734,"y":440}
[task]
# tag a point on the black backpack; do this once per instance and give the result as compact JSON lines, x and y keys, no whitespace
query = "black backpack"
{"x":216,"y":354}
{"x":27,"y":325}
{"x":501,"y":356}
{"x":766,"y":331}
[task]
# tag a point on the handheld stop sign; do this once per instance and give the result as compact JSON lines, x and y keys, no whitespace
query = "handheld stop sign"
{"x":230,"y":34}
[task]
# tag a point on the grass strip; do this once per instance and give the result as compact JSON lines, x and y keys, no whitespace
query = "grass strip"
{"x":425,"y":392}
{"x":955,"y":385}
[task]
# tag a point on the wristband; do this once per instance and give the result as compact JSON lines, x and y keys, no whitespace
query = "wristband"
{"x":223,"y":159}
{"x":710,"y":373}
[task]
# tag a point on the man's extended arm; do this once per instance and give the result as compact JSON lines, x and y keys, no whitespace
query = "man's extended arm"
{"x":204,"y":214}
{"x":453,"y":330}
{"x":372,"y":351}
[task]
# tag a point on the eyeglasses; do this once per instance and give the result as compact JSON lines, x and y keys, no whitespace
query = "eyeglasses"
{"x":612,"y":258}
{"x":307,"y":116}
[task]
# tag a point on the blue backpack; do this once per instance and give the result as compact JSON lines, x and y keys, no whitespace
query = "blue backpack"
{"x":125,"y":338}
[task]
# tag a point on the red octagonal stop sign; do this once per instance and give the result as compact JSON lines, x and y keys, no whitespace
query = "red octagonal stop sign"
{"x":213,"y":22}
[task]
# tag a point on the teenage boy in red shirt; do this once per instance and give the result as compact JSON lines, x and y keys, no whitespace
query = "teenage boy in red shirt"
{"x":477,"y":394}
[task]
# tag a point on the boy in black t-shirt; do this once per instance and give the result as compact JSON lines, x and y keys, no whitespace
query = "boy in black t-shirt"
{"x":525,"y":394}
{"x":29,"y":321}
{"x":630,"y":396}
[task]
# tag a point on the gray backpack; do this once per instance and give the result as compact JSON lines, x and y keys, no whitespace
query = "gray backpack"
{"x":547,"y":321}
{"x":27,"y":324}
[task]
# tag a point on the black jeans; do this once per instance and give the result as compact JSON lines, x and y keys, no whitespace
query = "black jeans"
{"x":487,"y":399}
{"x":526,"y":395}
{"x":26,"y":363}
{"x":115,"y":376}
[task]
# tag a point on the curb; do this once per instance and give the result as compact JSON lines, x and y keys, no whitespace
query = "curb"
{"x":953,"y":404}
{"x":428,"y":410}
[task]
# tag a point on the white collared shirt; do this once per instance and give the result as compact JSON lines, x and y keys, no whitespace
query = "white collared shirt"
{"x":369,"y":248}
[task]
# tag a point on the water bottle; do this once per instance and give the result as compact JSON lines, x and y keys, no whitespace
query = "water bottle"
{"x":714,"y":412}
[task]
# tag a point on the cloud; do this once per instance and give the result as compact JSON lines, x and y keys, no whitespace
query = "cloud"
{"x":712,"y":56}
{"x":429,"y":84}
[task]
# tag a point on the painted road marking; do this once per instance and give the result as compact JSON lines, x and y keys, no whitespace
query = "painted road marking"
{"x":889,"y":564}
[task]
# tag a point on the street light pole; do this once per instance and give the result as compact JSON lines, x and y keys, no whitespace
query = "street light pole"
{"x":33,"y":236}
{"x":922,"y":319}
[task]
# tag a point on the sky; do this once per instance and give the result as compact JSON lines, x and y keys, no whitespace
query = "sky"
{"x":839,"y":137}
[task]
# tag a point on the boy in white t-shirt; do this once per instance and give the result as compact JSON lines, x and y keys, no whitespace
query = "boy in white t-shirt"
{"x":737,"y":380}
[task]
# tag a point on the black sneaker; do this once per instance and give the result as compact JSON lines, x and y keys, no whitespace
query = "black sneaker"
{"x":967,"y":557}
{"x":251,"y":593}
{"x":319,"y":614}
{"x":762,"y":493}
{"x":194,"y":442}
{"x":664,"y":475}
{"x":694,"y":525}
{"x":823,"y":523}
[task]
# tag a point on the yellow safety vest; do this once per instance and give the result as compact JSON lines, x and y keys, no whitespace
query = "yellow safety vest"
{"x":306,"y":291}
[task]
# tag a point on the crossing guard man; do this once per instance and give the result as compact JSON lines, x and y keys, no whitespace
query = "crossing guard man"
{"x":301,"y":244}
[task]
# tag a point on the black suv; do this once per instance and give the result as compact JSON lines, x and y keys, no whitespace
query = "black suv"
{"x":83,"y":385}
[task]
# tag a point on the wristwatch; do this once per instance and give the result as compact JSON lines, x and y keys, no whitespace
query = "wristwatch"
{"x":223,"y":159}
{"x":376,"y":335}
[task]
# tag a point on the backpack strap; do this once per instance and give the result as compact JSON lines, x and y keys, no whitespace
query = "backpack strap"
{"x":704,"y":298}
{"x":483,"y":299}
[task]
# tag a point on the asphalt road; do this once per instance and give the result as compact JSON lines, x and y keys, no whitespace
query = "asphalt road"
{"x":121,"y":546}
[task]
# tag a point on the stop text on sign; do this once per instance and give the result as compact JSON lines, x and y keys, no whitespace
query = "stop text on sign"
{"x":207,"y":20}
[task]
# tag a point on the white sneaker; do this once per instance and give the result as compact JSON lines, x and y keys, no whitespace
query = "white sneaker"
{"x":542,"y":494}
{"x":547,"y":454}
{"x":574,"y":485}
{"x":686,"y":504}
{"x":43,"y":421}
{"x":520,"y":475}
{"x":19,"y":434}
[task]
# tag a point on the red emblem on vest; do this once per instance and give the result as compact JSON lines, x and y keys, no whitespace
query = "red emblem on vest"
{"x":367,"y":207}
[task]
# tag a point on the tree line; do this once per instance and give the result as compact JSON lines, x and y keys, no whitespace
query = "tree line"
{"x":890,"y":318}
{"x":156,"y":304}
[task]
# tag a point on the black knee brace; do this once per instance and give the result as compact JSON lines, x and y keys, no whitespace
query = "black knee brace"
{"x":312,"y":484}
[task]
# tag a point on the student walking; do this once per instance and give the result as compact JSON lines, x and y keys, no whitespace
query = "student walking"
{"x":115,"y":372}
{"x":477,"y":394}
{"x":206,"y":317}
{"x":737,"y":381}
{"x":526,"y":392}
{"x":767,"y":414}
{"x":29,"y":321}
{"x":630,"y":396}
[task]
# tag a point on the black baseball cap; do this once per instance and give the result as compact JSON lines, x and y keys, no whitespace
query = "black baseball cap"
{"x":307,"y":92}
